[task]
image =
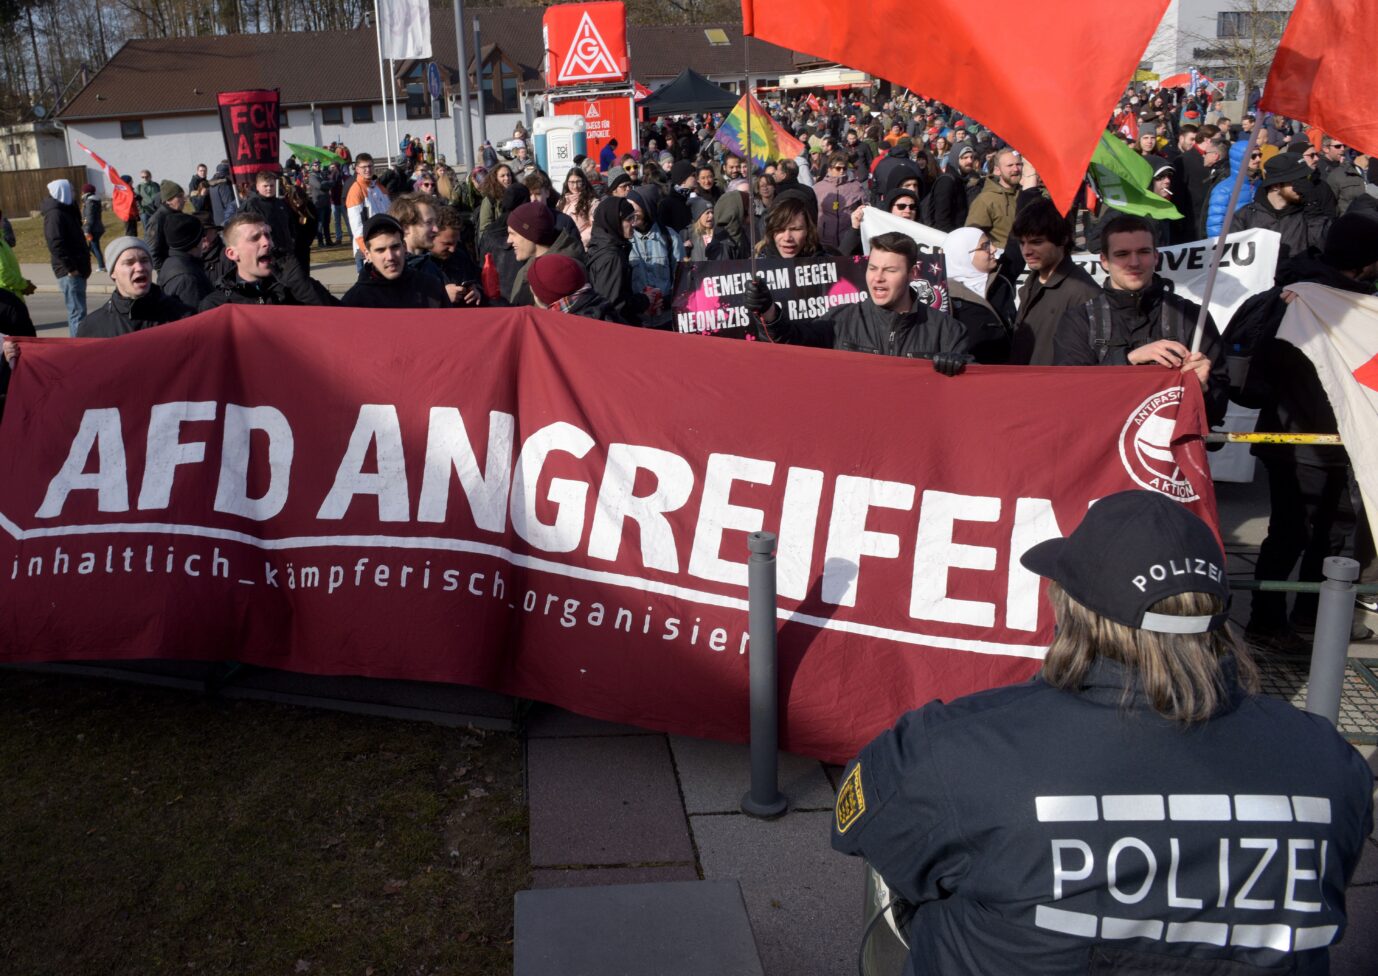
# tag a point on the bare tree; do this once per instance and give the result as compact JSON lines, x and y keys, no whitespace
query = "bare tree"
{"x":1246,"y":38}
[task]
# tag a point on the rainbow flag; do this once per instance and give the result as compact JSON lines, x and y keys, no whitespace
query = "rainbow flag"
{"x":768,"y":139}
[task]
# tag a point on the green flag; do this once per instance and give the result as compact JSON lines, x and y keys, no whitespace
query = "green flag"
{"x":310,"y":154}
{"x":1121,"y":177}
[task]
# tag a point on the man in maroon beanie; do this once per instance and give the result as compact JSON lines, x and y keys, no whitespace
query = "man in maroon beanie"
{"x":532,"y":232}
{"x":559,"y":283}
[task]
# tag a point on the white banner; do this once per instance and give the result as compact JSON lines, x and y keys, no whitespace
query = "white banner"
{"x":1338,"y":331}
{"x":405,"y":27}
{"x":1247,"y":268}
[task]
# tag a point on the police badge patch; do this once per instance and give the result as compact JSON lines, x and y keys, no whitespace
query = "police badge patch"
{"x":851,"y":801}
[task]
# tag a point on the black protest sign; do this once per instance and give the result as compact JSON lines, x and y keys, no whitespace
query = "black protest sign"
{"x":249,"y":121}
{"x":710,"y":296}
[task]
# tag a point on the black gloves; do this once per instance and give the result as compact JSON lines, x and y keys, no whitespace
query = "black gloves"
{"x":758,"y":300}
{"x":951,"y":363}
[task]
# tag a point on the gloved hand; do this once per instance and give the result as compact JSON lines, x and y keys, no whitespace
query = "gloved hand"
{"x":951,"y":363}
{"x":758,"y":300}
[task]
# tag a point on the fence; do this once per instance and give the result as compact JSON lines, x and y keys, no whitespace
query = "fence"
{"x":22,"y":191}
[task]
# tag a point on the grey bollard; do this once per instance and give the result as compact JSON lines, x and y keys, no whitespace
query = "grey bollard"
{"x":764,"y":799}
{"x":1330,"y":648}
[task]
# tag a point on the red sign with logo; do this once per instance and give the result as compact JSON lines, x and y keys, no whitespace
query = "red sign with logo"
{"x":585,"y":44}
{"x":604,"y":119}
{"x":552,"y":514}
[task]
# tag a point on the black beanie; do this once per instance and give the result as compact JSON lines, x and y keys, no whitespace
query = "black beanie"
{"x":1352,"y":242}
{"x":681,"y":171}
{"x":514,"y":196}
{"x":182,"y":231}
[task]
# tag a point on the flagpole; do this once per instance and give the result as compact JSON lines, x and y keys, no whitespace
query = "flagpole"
{"x":1220,"y":240}
{"x":750,"y":160}
{"x":396,"y":119}
{"x":382,"y":84}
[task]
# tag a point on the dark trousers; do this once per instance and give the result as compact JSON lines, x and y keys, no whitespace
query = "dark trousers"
{"x":1312,"y":517}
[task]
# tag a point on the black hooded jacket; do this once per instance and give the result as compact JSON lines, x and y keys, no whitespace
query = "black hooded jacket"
{"x":410,"y":289}
{"x":865,"y":327}
{"x":1282,"y":382}
{"x":1137,"y":319}
{"x":183,"y":278}
{"x":1299,"y":229}
{"x":66,"y":243}
{"x":230,"y":290}
{"x":120,"y":316}
{"x":609,"y":260}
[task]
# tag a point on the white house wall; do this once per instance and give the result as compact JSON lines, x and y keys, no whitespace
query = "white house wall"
{"x":173,"y":145}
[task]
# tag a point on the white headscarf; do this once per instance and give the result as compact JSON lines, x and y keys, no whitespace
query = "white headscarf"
{"x":957,"y":250}
{"x":60,"y":190}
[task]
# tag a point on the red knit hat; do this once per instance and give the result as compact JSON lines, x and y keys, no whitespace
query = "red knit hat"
{"x":555,"y":276}
{"x":535,"y":222}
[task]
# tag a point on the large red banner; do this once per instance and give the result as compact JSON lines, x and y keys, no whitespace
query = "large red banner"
{"x":557,"y":508}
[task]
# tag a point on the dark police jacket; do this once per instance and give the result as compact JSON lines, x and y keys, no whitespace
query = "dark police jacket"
{"x":1045,"y":832}
{"x":864,"y":327}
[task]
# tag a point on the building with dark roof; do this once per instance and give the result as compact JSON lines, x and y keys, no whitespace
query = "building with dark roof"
{"x":153,"y":105}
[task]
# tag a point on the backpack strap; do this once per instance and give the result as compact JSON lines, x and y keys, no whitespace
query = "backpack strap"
{"x":1173,"y":319}
{"x":1098,"y":318}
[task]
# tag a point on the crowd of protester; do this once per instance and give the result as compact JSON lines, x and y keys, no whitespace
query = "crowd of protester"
{"x":614,"y":239}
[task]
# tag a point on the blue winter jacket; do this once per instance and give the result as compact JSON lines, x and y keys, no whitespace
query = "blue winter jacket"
{"x":1220,"y":195}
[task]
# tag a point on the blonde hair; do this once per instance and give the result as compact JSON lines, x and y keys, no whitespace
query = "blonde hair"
{"x":1180,"y":674}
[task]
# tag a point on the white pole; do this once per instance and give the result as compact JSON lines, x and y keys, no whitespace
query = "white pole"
{"x":396,"y":119}
{"x":1219,"y":251}
{"x":382,"y":85}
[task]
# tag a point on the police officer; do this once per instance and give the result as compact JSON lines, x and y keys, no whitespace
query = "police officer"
{"x":1136,"y":808}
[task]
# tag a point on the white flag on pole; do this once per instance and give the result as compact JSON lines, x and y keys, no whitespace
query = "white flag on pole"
{"x":405,"y":27}
{"x":1338,"y":332}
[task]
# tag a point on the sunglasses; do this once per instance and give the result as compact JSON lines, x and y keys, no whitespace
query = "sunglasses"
{"x":903,"y":206}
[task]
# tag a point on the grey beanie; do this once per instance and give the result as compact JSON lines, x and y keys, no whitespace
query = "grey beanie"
{"x":118,"y":246}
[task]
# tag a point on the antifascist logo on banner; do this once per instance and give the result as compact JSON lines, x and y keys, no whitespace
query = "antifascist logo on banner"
{"x":711,"y":297}
{"x":1146,"y":446}
{"x":249,"y":121}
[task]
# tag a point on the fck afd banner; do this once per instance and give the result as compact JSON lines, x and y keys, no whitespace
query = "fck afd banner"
{"x":710,"y":296}
{"x":1247,"y":268}
{"x":534,"y":504}
{"x":249,"y":121}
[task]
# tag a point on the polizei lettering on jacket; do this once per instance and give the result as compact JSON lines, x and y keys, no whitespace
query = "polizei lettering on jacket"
{"x":560,"y":492}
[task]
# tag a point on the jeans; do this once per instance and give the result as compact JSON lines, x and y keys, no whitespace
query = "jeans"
{"x":74,"y":295}
{"x":94,"y":244}
{"x":358,"y":262}
{"x":341,"y":223}
{"x":323,"y":226}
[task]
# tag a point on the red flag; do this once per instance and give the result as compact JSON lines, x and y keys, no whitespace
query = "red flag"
{"x":1325,"y":73}
{"x":1046,"y":84}
{"x":121,"y":193}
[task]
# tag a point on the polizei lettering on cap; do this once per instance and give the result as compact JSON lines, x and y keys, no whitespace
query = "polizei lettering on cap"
{"x":1186,"y":567}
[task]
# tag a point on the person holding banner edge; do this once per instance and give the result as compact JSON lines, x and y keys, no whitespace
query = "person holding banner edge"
{"x":892,"y":323}
{"x":1138,"y":319}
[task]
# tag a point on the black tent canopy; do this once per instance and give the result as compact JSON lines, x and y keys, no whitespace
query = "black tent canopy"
{"x":690,"y":92}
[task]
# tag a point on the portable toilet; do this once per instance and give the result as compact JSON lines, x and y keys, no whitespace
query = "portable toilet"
{"x":559,"y":138}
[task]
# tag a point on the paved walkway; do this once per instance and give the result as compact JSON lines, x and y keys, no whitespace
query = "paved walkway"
{"x":612,"y":804}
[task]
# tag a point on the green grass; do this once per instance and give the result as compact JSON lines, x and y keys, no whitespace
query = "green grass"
{"x":30,"y":248}
{"x":154,"y":832}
